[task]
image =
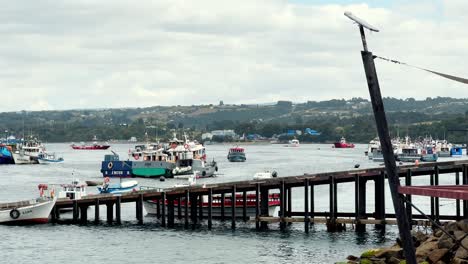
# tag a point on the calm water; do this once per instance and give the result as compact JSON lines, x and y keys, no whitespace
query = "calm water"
{"x":131,"y":243}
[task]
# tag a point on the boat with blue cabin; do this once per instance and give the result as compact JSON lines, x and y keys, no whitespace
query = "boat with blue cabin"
{"x":46,"y":158}
{"x":6,"y":155}
{"x":456,"y":151}
{"x":117,"y":188}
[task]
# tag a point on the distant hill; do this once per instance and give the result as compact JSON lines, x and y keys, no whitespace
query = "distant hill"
{"x":334,"y":117}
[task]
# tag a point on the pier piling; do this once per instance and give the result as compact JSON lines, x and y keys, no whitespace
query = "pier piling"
{"x":96,"y":211}
{"x":75,"y":211}
{"x":163,"y":209}
{"x":118,"y":219}
{"x":233,"y":207}
{"x":223,"y":199}
{"x":83,"y":214}
{"x":244,"y":206}
{"x":264,"y":206}
{"x":282,"y":206}
{"x":170,"y":212}
{"x":257,"y":206}
{"x":210,"y":205}
{"x":409,"y":209}
{"x":306,"y":206}
{"x":379,"y":190}
{"x":186,"y":211}
{"x":110,"y":212}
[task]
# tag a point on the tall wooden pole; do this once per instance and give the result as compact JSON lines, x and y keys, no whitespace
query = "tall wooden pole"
{"x":387,"y":151}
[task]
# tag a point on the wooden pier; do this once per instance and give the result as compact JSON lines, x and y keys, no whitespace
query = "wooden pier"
{"x":191,"y":213}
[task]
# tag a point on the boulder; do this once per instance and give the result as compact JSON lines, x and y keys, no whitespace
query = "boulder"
{"x":452,"y":227}
{"x":352,"y":258}
{"x":419,"y":236}
{"x":389,"y":252}
{"x":445,"y":241}
{"x":426,"y":248}
{"x":461,"y":253}
{"x":458,"y":261}
{"x":437,"y":254}
{"x":459,"y":235}
{"x":463,"y":225}
{"x":393,"y":260}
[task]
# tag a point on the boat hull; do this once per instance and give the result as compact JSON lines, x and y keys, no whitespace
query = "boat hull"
{"x":343,"y":145}
{"x":24,"y":159}
{"x":151,"y":209}
{"x":151,"y":169}
{"x":236,"y":157}
{"x":31,"y":214}
{"x":117,"y":190}
{"x":429,"y":157}
{"x":98,"y":147}
{"x":116,"y":168}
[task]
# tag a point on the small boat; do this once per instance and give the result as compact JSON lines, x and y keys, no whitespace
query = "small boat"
{"x":343,"y":144}
{"x":456,"y":151}
{"x":409,"y":154}
{"x":192,"y":180}
{"x":273,"y":205}
{"x":265,"y":175}
{"x":377,"y":155}
{"x":35,"y":211}
{"x":6,"y":155}
{"x":28,"y":152}
{"x":94,"y":146}
{"x":73,"y":191}
{"x":46,"y":158}
{"x":293,"y":143}
{"x":236,"y":154}
{"x":117,"y":188}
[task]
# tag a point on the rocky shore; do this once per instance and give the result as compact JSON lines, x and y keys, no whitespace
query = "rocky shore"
{"x":437,"y":248}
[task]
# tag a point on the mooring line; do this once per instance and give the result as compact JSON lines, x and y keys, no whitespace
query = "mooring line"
{"x":448,"y":76}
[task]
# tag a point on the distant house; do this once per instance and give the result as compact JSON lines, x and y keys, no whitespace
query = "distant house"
{"x":206,"y":136}
{"x":224,"y":133}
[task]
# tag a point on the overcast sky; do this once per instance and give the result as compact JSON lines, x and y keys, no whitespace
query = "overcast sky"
{"x":67,"y":54}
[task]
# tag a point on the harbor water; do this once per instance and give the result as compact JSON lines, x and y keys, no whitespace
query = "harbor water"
{"x":149,"y":243}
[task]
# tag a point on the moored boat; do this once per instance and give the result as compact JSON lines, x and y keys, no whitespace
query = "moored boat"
{"x":117,"y":188}
{"x":343,"y":144}
{"x":265,"y":175}
{"x":94,"y":146}
{"x":35,"y":211}
{"x":46,"y":158}
{"x":293,"y":143}
{"x":6,"y":155}
{"x":236,"y":154}
{"x":216,"y":209}
{"x":429,"y":154}
{"x":409,"y":154}
{"x":456,"y":151}
{"x":28,"y":151}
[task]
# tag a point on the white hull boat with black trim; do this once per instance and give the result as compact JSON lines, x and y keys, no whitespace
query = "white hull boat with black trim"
{"x":34,"y":211}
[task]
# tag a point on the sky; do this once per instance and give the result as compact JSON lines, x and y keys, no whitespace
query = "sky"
{"x":69,"y":54}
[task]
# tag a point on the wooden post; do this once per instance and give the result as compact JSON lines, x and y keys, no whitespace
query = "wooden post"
{"x":193,"y":209}
{"x":361,"y":184}
{"x":117,"y":210}
{"x":163,"y":209}
{"x":282,"y":206}
{"x":140,"y":209}
{"x":464,"y":182}
{"x":57,"y":213}
{"x":244,"y":206}
{"x":409,"y":211}
{"x":53,"y":214}
{"x":158,"y":208}
{"x":436,"y":199}
{"x":264,"y":197}
{"x":186,"y":211}
{"x":312,"y":203}
{"x":76,"y":211}
{"x":380,"y":199}
{"x":331,"y":224}
{"x":200,"y":207}
{"x":96,"y":211}
{"x":233,"y":207}
{"x":387,"y":151}
{"x":431,"y":181}
{"x":179,"y":208}
{"x":306,"y":206}
{"x":210,"y":206}
{"x":257,"y":206}
{"x":289,"y":200}
{"x":83,"y":214}
{"x":222,"y":206}
{"x":170,"y":212}
{"x":110,"y":212}
{"x":457,"y":203}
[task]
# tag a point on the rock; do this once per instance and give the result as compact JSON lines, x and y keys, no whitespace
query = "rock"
{"x":389,"y":252}
{"x":459,"y":235}
{"x":425,"y":248}
{"x":419,"y":236}
{"x":393,"y":260}
{"x":378,"y":260}
{"x":452,"y":226}
{"x":440,"y":262}
{"x":365,"y":261}
{"x":463,"y":225}
{"x":445,"y":242}
{"x":438,"y":233}
{"x":461,"y":253}
{"x":437,"y":254}
{"x":351,"y":257}
{"x":458,"y":261}
{"x":369,"y":253}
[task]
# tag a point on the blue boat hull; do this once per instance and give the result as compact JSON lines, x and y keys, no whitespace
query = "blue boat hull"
{"x":116,"y":168}
{"x":5,"y":156}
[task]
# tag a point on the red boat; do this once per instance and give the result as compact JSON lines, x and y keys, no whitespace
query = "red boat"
{"x":273,"y":204}
{"x":95,"y":146}
{"x":343,"y":144}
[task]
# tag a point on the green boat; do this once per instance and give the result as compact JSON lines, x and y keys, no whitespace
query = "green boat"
{"x":151,"y":169}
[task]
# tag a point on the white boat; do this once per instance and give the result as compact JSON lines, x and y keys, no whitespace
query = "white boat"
{"x":28,"y":152}
{"x":293,"y":143}
{"x":118,"y":188}
{"x":46,"y":158}
{"x":192,"y":180}
{"x":73,"y":191}
{"x":35,"y":211}
{"x":265,"y":175}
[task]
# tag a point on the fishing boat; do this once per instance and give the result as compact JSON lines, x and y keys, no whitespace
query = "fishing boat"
{"x":409,"y":154}
{"x":428,"y":154}
{"x":373,"y":145}
{"x":6,"y":155}
{"x":35,"y":211}
{"x":46,"y":158}
{"x":293,"y":143}
{"x":377,"y":155}
{"x":28,"y":151}
{"x":343,"y":144}
{"x":117,"y":188}
{"x":73,"y":191}
{"x":236,"y":154}
{"x":456,"y":151}
{"x":94,"y":146}
{"x":216,"y":208}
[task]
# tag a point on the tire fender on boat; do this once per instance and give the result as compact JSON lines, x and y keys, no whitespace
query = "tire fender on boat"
{"x":14,"y":213}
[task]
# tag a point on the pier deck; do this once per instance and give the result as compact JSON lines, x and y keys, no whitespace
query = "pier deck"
{"x":285,"y":185}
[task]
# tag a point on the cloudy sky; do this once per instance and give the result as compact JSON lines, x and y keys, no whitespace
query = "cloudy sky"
{"x":66,"y":54}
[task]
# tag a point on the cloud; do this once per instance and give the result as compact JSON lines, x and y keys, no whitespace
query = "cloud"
{"x":94,"y":54}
